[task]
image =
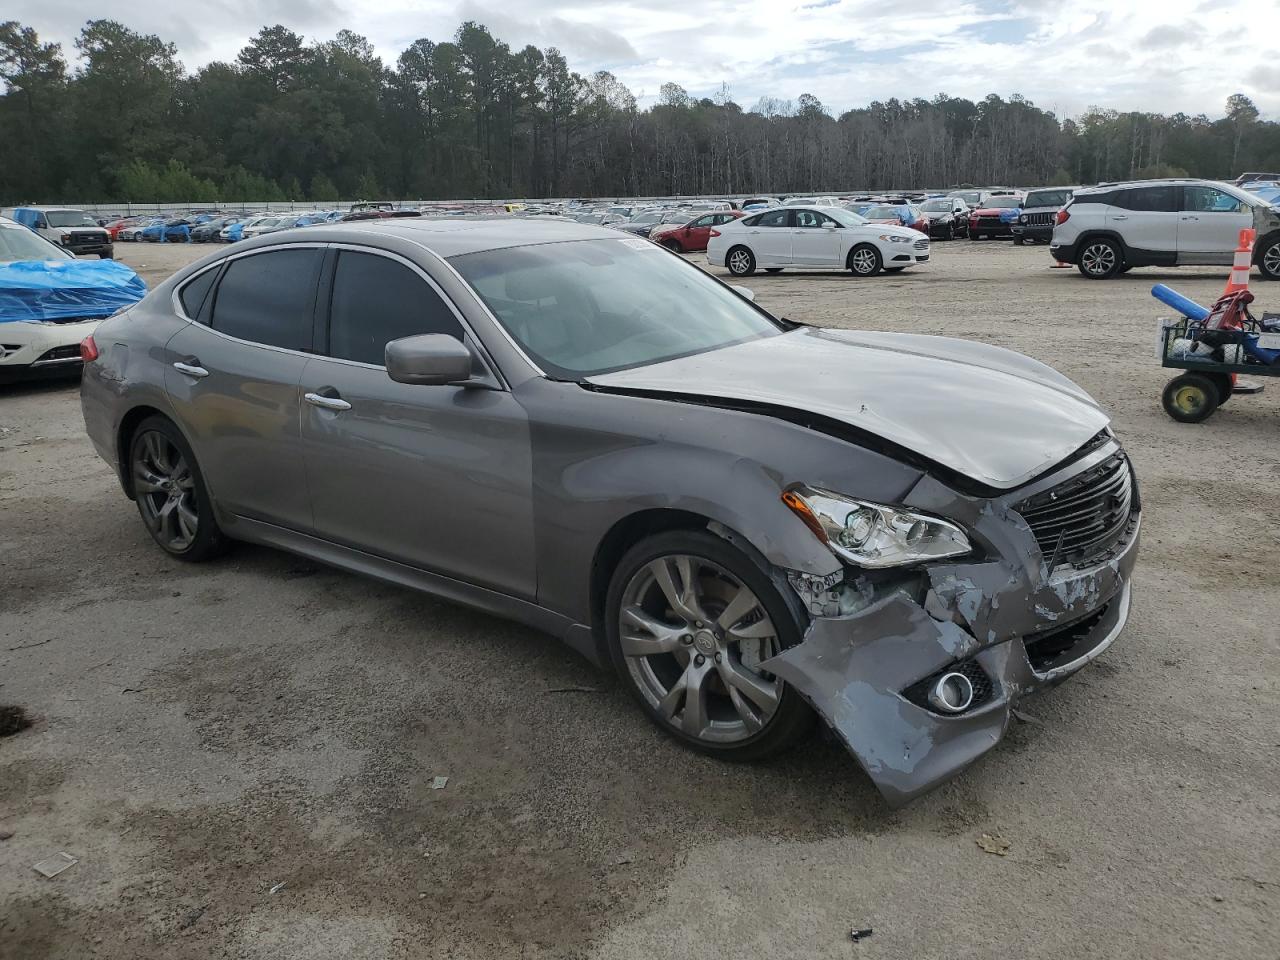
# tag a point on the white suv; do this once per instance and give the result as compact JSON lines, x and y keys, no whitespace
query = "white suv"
{"x":1107,"y":230}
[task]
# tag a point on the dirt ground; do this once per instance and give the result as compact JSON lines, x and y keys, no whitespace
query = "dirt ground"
{"x":241,"y":754}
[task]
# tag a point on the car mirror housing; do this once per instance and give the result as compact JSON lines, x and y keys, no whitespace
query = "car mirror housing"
{"x":746,"y":293}
{"x":828,"y":225}
{"x":429,"y":359}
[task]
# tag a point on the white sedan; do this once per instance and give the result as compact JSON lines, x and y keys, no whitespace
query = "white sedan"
{"x":823,"y":237}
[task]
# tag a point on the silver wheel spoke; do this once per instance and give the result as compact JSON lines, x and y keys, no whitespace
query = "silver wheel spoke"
{"x":675,"y":576}
{"x":670,"y":703}
{"x":187,"y":520}
{"x":144,"y":481}
{"x":763,"y":693}
{"x":743,"y":602}
{"x":694,"y":719}
{"x":169,"y":520}
{"x":649,"y":636}
{"x":747,"y":715}
{"x":754,"y":631}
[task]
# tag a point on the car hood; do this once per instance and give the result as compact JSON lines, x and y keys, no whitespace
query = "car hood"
{"x":998,"y":417}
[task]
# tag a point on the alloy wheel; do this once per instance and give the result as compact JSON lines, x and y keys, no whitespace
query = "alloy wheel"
{"x":1271,"y":260}
{"x":863,"y":262}
{"x":165,"y":490}
{"x":693,"y":637}
{"x":739,"y":261}
{"x":1099,"y":259}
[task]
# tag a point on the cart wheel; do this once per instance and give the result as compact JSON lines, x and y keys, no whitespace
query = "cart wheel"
{"x":1190,"y":398}
{"x":1225,"y":387}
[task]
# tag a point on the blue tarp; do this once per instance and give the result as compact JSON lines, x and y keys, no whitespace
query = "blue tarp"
{"x":35,"y":290}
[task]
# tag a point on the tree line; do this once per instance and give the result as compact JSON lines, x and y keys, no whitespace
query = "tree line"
{"x":474,"y":117}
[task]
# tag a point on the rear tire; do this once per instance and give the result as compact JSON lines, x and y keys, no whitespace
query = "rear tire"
{"x":1100,"y":259}
{"x":1224,"y":385}
{"x":171,"y":494}
{"x":741,"y":262}
{"x":864,"y":260}
{"x":673,"y":246}
{"x":1190,"y":398}
{"x":669,"y":664}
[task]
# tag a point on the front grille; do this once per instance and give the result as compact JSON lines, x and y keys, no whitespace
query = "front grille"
{"x":1084,"y":517}
{"x":87,"y":239}
{"x":1065,"y":644}
{"x":990,"y":222}
{"x":922,"y":244}
{"x":1040,"y":219}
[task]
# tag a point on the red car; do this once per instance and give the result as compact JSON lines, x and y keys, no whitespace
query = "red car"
{"x":693,"y":235}
{"x":115,"y":226}
{"x":995,"y":216}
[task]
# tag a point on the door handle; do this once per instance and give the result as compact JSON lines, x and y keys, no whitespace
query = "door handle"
{"x":191,"y":367}
{"x":326,"y":403}
{"x":1190,"y":218}
{"x":1119,"y":217}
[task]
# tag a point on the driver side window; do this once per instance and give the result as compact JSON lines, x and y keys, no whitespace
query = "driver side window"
{"x":706,"y":221}
{"x":774,"y":218}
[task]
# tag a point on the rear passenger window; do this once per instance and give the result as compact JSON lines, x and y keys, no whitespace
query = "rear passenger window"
{"x":774,"y":218}
{"x":1149,"y":199}
{"x":194,"y":293}
{"x":377,"y":300}
{"x":269,"y":298}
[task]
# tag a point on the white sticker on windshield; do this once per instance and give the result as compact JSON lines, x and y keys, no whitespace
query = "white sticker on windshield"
{"x":637,"y":244}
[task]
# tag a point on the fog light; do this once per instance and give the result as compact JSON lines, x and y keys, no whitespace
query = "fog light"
{"x":953,"y":693}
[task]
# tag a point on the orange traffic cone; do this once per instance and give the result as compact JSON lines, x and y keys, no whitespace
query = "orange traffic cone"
{"x":1239,"y":277}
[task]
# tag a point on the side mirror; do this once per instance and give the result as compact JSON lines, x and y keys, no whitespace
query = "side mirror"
{"x":828,"y":225}
{"x":746,"y":293}
{"x":429,"y":359}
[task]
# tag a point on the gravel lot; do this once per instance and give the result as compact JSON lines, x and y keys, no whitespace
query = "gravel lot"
{"x":241,"y":753}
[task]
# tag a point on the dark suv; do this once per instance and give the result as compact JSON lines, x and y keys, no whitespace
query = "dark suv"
{"x":1039,"y":211}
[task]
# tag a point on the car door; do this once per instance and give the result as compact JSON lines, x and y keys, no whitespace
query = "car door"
{"x":812,"y":242}
{"x":1209,"y":226}
{"x":695,"y":234}
{"x":436,"y":477}
{"x":1146,"y":218}
{"x":232,"y":376}
{"x":769,"y":237}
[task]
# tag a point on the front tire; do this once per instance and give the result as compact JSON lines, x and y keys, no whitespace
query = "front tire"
{"x":171,"y":494}
{"x":864,"y":260}
{"x":689,"y":619}
{"x":673,"y":246}
{"x":1268,"y":257}
{"x":741,"y":262}
{"x":1100,"y":259}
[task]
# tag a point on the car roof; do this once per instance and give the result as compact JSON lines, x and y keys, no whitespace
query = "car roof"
{"x":454,"y":237}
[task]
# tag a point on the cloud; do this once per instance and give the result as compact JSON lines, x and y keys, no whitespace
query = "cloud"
{"x":1139,"y":55}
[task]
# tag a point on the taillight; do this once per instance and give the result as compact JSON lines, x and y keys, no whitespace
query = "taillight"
{"x":715,"y":233}
{"x":1062,"y":216}
{"x":88,"y":349}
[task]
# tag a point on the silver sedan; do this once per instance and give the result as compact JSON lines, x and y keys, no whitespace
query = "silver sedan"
{"x":750,"y":520}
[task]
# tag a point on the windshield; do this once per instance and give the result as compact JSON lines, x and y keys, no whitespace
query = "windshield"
{"x":883,"y":213}
{"x":586,"y":307}
{"x":70,"y":218}
{"x":1048,"y":198}
{"x":19,"y":243}
{"x":936,"y":206}
{"x":968,"y":196}
{"x":1003,"y":203}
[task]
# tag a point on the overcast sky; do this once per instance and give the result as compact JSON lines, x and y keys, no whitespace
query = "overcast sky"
{"x":1065,"y":55}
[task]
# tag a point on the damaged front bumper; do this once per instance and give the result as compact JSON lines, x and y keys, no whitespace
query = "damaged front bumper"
{"x":1012,"y":626}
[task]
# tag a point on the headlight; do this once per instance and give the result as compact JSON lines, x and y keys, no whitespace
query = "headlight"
{"x":1022,"y":218}
{"x":65,"y":239}
{"x":873,"y":535}
{"x":893,"y":239}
